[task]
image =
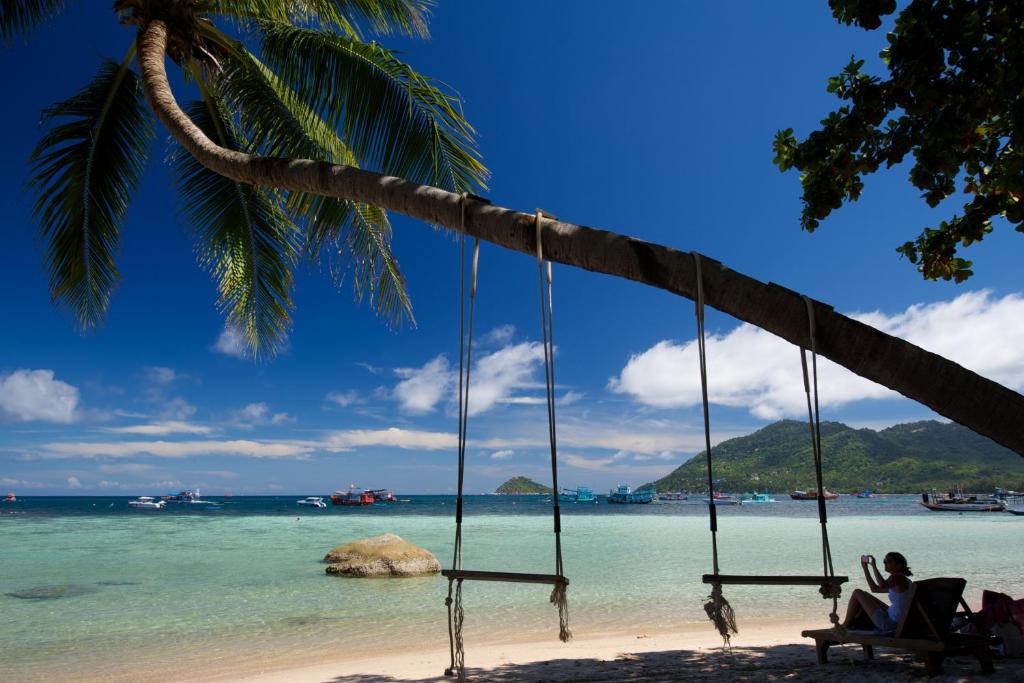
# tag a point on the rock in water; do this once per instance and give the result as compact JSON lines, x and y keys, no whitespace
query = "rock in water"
{"x":387,"y":555}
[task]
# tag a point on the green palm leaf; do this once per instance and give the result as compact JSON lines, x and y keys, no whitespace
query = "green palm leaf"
{"x":85,"y":170}
{"x":21,"y":16}
{"x":393,"y":119}
{"x":277,"y":123}
{"x":383,"y":17}
{"x":243,"y":237}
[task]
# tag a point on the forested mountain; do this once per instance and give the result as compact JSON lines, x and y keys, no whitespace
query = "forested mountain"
{"x":521,"y":485}
{"x":905,"y":458}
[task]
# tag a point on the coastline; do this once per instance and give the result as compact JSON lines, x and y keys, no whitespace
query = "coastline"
{"x":767,"y":650}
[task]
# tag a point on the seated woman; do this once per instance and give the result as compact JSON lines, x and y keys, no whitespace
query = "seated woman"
{"x":884,"y":617}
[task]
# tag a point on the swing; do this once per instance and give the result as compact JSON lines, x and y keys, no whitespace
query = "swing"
{"x":830,"y":585}
{"x":457,"y":574}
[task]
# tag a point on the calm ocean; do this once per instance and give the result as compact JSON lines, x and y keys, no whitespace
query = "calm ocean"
{"x":90,"y":588}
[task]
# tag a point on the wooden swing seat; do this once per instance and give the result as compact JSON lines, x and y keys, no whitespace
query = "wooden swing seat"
{"x":508,"y":577}
{"x":755,"y":580}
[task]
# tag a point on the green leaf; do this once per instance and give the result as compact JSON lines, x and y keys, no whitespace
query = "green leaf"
{"x":243,"y":237}
{"x":21,"y":16}
{"x":85,"y":171}
{"x":393,"y":119}
{"x":277,"y":123}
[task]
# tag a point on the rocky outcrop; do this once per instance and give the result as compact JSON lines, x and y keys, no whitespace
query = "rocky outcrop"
{"x":387,"y":555}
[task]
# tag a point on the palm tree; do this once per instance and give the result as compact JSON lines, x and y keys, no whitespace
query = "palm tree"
{"x":290,"y":135}
{"x":316,"y":89}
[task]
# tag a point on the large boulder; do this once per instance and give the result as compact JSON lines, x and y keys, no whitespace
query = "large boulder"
{"x":387,"y":555}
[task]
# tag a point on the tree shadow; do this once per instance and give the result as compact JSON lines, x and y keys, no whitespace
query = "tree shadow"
{"x":746,"y":665}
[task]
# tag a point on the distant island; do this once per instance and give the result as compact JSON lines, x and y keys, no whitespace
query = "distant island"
{"x":905,"y":458}
{"x":518,"y":486}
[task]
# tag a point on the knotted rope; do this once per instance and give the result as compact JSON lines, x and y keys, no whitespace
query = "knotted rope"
{"x":718,"y":609}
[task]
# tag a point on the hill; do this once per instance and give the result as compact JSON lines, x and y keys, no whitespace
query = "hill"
{"x":905,"y":458}
{"x":521,"y":486}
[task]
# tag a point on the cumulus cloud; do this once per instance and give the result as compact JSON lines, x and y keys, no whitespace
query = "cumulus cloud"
{"x":502,"y":455}
{"x":570,"y":397}
{"x":256,"y":414}
{"x":399,"y":438}
{"x":74,"y":483}
{"x":499,"y":336}
{"x":175,"y":409}
{"x":231,"y":342}
{"x":344,"y":398}
{"x":750,"y":368}
{"x":34,"y":395}
{"x":499,"y":374}
{"x":422,"y":388}
{"x":160,"y":428}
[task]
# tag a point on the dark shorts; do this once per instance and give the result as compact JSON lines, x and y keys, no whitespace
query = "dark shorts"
{"x":883,"y":622}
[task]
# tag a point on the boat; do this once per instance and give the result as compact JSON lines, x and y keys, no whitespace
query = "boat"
{"x":354,"y":496}
{"x":624,"y":494}
{"x":11,"y":498}
{"x":383,"y":496}
{"x":312,"y":502}
{"x":722,"y":499}
{"x":813,"y":495}
{"x":1015,"y":511}
{"x":672,"y":495}
{"x":146,"y":503}
{"x":580,"y":494}
{"x":190,"y":497}
{"x":960,"y":502}
{"x":866,"y":493}
{"x":756,"y":497}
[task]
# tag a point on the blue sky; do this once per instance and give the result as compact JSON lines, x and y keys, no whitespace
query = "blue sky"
{"x":654,"y":121}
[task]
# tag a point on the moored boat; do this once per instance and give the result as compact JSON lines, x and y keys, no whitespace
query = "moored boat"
{"x":624,"y":494}
{"x":580,"y":494}
{"x":813,"y":495}
{"x":190,"y":497}
{"x":146,"y":503}
{"x":756,"y":497}
{"x":722,"y":499}
{"x":672,"y":495}
{"x":866,"y":493}
{"x":354,"y":496}
{"x":959,"y":502}
{"x":312,"y":502}
{"x":11,"y":498}
{"x":383,"y":496}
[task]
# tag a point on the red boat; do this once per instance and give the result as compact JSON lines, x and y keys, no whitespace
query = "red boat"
{"x":11,"y":498}
{"x":383,"y":496}
{"x":813,"y":495}
{"x":352,"y":497}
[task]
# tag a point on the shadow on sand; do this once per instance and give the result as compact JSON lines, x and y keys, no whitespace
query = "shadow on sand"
{"x":771,"y":663}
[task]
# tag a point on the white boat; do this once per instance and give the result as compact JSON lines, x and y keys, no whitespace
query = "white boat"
{"x":189,"y":497}
{"x":960,"y":502}
{"x":312,"y":502}
{"x":146,"y":503}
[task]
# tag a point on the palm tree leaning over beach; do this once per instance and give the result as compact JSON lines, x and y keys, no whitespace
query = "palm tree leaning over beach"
{"x":273,"y":164}
{"x":314,"y":88}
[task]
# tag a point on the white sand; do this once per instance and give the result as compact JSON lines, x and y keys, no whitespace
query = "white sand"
{"x":765,"y":652}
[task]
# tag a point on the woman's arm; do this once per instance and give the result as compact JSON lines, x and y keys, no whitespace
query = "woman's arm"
{"x":877,"y":583}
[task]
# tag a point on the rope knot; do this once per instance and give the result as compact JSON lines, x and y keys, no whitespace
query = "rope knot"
{"x":831,"y":591}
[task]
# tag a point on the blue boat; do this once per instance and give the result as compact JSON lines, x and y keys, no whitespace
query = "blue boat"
{"x":580,"y":494}
{"x":756,"y":497}
{"x":624,"y":494}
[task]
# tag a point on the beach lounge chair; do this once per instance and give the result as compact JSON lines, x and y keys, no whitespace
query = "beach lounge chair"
{"x":924,"y":629}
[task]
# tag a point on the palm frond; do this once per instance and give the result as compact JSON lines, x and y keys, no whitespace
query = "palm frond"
{"x":392,"y":118}
{"x":277,"y":123}
{"x":384,"y":17}
{"x":249,"y":13}
{"x":243,"y":237}
{"x":18,"y":17}
{"x":84,"y":172}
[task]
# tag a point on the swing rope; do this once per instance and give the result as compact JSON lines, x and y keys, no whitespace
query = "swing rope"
{"x":456,"y":575}
{"x":718,"y":609}
{"x":830,"y":590}
{"x":558,"y":592}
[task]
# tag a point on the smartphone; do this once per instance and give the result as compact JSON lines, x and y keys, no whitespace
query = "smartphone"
{"x":865,"y":559}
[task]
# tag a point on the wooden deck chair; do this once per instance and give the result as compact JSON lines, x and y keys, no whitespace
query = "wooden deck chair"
{"x":924,"y":629}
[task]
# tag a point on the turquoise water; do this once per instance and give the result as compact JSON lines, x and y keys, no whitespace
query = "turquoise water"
{"x":118,"y":596}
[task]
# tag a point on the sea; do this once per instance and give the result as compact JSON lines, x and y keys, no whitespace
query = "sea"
{"x":93,"y":589}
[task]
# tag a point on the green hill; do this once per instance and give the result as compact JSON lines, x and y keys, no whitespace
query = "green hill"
{"x":521,"y":486}
{"x":905,"y":458}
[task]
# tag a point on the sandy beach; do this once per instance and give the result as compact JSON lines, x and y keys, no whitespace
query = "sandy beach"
{"x":765,"y":652}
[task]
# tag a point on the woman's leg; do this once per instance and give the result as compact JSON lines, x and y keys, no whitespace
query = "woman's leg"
{"x":862,"y":602}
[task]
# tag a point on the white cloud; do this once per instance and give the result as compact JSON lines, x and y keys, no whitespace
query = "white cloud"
{"x":231,"y":342}
{"x":400,"y":438}
{"x":754,"y":369}
{"x":34,"y":395}
{"x":127,"y":468}
{"x":158,"y":375}
{"x":422,"y":388}
{"x":502,"y":455}
{"x":614,"y":466}
{"x":160,"y":428}
{"x":499,"y":336}
{"x":344,"y":399}
{"x":255,"y":414}
{"x":497,"y":375}
{"x":74,"y":483}
{"x":177,"y":449}
{"x":570,"y":397}
{"x":175,"y":409}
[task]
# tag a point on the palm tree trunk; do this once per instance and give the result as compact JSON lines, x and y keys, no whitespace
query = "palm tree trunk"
{"x":947,"y":388}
